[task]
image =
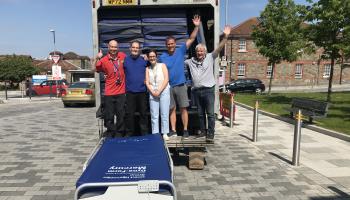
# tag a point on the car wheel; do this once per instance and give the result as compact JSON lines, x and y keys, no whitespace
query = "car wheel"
{"x":66,"y":105}
{"x":258,"y":91}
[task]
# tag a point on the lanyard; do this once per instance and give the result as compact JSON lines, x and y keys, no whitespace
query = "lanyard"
{"x":116,"y":67}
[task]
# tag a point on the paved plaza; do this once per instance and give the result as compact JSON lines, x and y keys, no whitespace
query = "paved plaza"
{"x":43,"y":147}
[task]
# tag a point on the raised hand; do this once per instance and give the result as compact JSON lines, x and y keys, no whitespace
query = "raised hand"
{"x":99,"y":54}
{"x":196,"y":20}
{"x":227,"y":30}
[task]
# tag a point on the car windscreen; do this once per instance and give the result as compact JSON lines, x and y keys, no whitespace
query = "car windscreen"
{"x":80,"y":85}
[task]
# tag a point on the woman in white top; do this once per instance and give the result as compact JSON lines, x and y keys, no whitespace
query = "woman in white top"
{"x":157,"y":83}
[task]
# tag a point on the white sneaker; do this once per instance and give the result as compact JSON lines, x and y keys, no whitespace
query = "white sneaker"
{"x":165,"y":137}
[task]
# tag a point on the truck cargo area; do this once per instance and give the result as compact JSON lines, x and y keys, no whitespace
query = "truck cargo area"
{"x":150,"y":25}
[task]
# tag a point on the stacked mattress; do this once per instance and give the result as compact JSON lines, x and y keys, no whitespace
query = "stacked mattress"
{"x":157,"y":25}
{"x":149,"y":27}
{"x":122,"y":26}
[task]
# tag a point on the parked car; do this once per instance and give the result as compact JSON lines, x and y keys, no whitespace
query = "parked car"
{"x":44,"y":87}
{"x":81,"y":92}
{"x":246,"y":85}
{"x":222,"y":88}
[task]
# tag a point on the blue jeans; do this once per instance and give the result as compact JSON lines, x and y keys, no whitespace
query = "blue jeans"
{"x":205,"y":102}
{"x":163,"y":103}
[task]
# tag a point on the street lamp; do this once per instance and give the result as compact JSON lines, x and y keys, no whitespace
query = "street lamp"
{"x":54,"y":41}
{"x":54,"y":53}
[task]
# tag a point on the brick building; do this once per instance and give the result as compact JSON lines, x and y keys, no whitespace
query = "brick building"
{"x":244,"y":61}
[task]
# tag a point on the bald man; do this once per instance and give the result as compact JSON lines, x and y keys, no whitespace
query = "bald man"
{"x":114,"y":100}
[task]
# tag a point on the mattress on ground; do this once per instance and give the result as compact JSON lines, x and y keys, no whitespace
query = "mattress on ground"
{"x":128,"y":160}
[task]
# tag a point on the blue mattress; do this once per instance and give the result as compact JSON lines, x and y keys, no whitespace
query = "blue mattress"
{"x":163,"y":37}
{"x":172,"y":21}
{"x":128,"y":160}
{"x":118,"y":14}
{"x":122,"y":31}
{"x":150,"y":27}
{"x":165,"y":30}
{"x":163,"y":13}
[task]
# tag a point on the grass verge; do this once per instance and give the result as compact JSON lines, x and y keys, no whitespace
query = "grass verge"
{"x":338,"y":117}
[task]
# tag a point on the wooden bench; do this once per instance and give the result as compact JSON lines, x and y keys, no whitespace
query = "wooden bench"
{"x":196,"y":149}
{"x":310,"y":108}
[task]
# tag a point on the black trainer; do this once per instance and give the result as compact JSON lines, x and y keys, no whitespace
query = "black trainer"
{"x":185,"y":134}
{"x":107,"y":134}
{"x":201,"y":134}
{"x":172,"y":134}
{"x":210,"y":137}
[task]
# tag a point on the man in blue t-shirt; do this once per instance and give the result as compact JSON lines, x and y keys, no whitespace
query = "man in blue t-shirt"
{"x":136,"y":95}
{"x":174,"y":60}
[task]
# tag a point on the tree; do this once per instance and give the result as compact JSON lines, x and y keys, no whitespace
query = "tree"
{"x":16,"y":68}
{"x":329,"y":28}
{"x":279,"y":36}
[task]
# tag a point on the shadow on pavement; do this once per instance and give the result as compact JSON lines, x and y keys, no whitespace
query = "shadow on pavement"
{"x":246,"y":137}
{"x":342,"y":195}
{"x":280,"y":157}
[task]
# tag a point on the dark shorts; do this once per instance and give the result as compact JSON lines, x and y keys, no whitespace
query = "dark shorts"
{"x":178,"y":96}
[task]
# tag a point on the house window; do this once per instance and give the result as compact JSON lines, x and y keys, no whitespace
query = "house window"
{"x":269,"y":71}
{"x":298,"y":71}
{"x":327,"y":71}
{"x":242,"y":45}
{"x":241,"y":70}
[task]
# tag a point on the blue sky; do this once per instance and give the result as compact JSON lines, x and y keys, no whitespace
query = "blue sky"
{"x":25,"y":24}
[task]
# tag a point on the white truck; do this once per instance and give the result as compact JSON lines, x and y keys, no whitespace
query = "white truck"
{"x":150,"y":22}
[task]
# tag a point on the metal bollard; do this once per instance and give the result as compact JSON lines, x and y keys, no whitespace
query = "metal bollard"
{"x":297,"y":137}
{"x":6,"y":90}
{"x":255,"y":122}
{"x":30,"y":90}
{"x":50,"y":89}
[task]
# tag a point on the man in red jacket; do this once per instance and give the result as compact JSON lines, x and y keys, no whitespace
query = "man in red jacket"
{"x":114,"y":100}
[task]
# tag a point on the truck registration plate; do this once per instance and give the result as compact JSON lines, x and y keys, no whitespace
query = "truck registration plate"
{"x":120,"y":2}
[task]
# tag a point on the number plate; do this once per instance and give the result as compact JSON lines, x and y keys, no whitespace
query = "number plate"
{"x":119,"y":2}
{"x":75,"y":92}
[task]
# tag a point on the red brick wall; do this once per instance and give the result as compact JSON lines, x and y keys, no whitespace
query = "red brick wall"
{"x":284,"y":73}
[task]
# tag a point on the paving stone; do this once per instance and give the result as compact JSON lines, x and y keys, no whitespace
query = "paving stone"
{"x":43,"y":160}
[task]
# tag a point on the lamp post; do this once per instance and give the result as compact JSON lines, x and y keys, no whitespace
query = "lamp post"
{"x":54,"y":53}
{"x":54,"y":41}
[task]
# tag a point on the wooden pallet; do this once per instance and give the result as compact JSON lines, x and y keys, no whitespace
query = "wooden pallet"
{"x":191,"y":141}
{"x":196,"y":149}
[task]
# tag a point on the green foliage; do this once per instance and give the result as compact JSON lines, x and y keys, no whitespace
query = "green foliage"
{"x":279,"y":36}
{"x":329,"y":26}
{"x":16,"y":68}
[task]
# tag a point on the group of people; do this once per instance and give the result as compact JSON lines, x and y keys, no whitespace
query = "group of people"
{"x":130,"y":80}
